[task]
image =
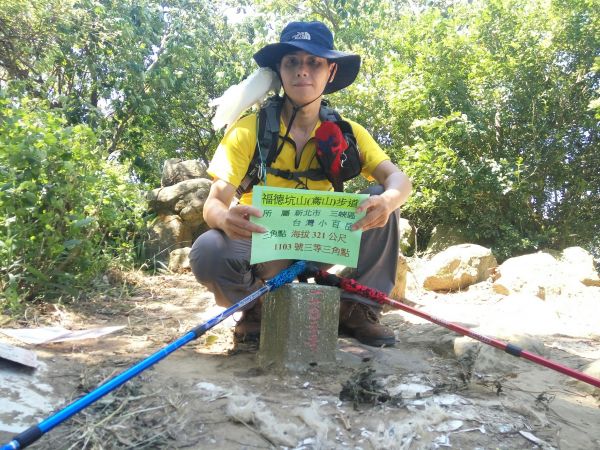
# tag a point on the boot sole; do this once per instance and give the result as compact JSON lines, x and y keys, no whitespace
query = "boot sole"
{"x":381,"y":342}
{"x":246,"y":338}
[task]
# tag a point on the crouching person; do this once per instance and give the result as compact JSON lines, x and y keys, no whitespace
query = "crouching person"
{"x":308,"y":67}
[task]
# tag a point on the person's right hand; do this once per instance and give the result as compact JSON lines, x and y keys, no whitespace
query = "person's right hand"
{"x":236,"y":223}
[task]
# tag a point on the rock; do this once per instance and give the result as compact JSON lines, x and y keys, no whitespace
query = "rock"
{"x":442,"y":340}
{"x":538,"y":274}
{"x":180,"y":209}
{"x":399,"y":290}
{"x":459,"y":266}
{"x":192,"y":212}
{"x":167,"y":233}
{"x":415,"y":276}
{"x":485,"y":359}
{"x":466,"y":347}
{"x":173,"y":199}
{"x":580,"y":264}
{"x":407,"y":237}
{"x":522,"y":313}
{"x":176,"y":170}
{"x":179,"y":259}
{"x":593,"y":370}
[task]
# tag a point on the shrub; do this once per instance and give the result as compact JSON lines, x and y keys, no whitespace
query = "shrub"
{"x":65,"y":211}
{"x":457,"y":186}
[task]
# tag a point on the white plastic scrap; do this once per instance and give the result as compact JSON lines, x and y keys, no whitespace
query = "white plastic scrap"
{"x":365,"y":433}
{"x":210,"y":392}
{"x":450,"y":400}
{"x":245,"y":408}
{"x":449,"y":425}
{"x":505,"y":428}
{"x":442,"y":441}
{"x":481,"y":429}
{"x":409,"y":390}
{"x":536,"y":440}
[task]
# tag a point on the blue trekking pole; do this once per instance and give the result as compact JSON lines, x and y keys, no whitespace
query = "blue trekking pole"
{"x":35,"y":432}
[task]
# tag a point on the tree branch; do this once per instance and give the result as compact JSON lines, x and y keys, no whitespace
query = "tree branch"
{"x":130,"y":112}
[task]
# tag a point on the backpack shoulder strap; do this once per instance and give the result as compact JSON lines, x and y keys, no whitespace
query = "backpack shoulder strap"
{"x":328,"y":113}
{"x":267,"y":137}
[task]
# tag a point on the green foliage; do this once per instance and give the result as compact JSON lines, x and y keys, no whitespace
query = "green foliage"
{"x":488,"y":105}
{"x":491,"y":106}
{"x":66,"y":212}
{"x":480,"y":196}
{"x":140,"y":74}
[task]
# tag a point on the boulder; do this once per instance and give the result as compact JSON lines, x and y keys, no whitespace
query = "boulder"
{"x":538,"y":274}
{"x":192,"y":213}
{"x":179,"y":259}
{"x":459,"y":266}
{"x":593,"y":370}
{"x":166,"y":233}
{"x":580,"y":264}
{"x":407,"y":237}
{"x":399,"y":290}
{"x":522,"y":313}
{"x":176,"y":170}
{"x":174,"y":199}
{"x":486,"y":359}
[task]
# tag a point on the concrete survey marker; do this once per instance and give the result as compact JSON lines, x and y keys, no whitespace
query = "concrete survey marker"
{"x":299,"y":327}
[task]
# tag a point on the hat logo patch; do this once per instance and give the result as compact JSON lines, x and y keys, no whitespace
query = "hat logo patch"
{"x":305,"y":35}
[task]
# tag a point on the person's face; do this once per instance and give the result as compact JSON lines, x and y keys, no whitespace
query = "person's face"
{"x":305,"y":76}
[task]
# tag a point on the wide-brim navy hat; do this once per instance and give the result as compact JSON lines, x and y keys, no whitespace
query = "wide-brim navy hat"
{"x":316,"y":39}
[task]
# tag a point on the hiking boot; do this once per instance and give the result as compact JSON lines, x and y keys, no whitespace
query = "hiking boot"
{"x":359,"y":321}
{"x":248,"y":327}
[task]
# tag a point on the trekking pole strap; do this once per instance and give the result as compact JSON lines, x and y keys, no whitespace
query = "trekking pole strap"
{"x":347,"y":284}
{"x":350,"y":285}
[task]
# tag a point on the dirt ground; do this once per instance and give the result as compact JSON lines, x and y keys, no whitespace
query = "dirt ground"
{"x":434,"y":389}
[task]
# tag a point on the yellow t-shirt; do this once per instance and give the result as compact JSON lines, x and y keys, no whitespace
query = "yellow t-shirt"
{"x":236,"y":150}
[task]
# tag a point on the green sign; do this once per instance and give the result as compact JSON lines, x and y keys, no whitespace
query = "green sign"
{"x":307,"y":225}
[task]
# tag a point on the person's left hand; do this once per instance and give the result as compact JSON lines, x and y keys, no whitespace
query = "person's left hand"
{"x":378,"y":211}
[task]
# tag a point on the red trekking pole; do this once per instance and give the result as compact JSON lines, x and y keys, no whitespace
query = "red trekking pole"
{"x":350,"y":285}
